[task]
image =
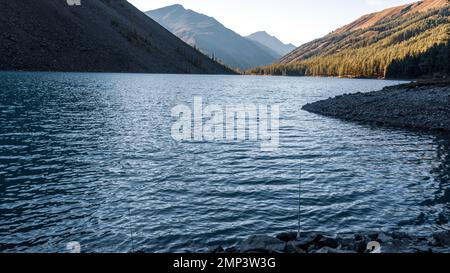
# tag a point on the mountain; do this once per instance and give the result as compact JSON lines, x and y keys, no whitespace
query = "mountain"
{"x":372,"y":19}
{"x":401,"y":42}
{"x":272,"y":42}
{"x":97,"y":36}
{"x":211,"y":37}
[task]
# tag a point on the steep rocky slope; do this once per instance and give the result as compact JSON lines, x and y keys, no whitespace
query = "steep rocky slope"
{"x":99,"y":35}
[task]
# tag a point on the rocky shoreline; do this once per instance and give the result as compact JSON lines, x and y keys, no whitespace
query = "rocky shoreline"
{"x":418,"y":105}
{"x":375,"y":242}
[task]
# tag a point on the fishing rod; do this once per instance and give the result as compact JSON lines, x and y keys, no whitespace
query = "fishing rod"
{"x":299,"y":203}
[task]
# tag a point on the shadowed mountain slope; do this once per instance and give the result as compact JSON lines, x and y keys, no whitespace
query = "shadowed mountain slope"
{"x":98,"y":36}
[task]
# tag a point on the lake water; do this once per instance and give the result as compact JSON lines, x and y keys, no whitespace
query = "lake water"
{"x":90,"y":158}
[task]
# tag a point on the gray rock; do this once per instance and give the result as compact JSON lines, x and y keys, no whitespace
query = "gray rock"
{"x":342,"y":251}
{"x":328,"y":242}
{"x":292,"y":247}
{"x":287,"y":236}
{"x":231,"y":250}
{"x":323,"y":250}
{"x":390,"y":249}
{"x":307,"y":241}
{"x":329,"y":250}
{"x":348,"y":244}
{"x":311,"y":249}
{"x":358,"y":243}
{"x":262,"y":244}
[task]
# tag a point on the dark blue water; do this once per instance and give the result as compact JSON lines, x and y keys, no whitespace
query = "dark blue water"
{"x":90,"y":158}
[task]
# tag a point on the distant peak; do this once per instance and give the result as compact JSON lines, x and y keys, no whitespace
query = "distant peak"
{"x":262,"y":32}
{"x":175,"y":6}
{"x":171,"y":8}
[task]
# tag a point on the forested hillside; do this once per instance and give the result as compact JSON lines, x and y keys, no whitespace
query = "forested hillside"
{"x":406,"y":41}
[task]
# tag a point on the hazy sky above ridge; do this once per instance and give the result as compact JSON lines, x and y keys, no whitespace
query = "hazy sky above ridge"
{"x":292,"y":21}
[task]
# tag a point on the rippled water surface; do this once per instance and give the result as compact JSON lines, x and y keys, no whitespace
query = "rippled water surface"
{"x":90,"y":158}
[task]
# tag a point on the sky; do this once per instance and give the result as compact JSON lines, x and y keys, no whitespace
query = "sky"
{"x":292,"y":21}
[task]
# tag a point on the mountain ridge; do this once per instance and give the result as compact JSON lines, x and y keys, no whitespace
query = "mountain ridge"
{"x":271,"y":42}
{"x":371,"y":19}
{"x":213,"y":38}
